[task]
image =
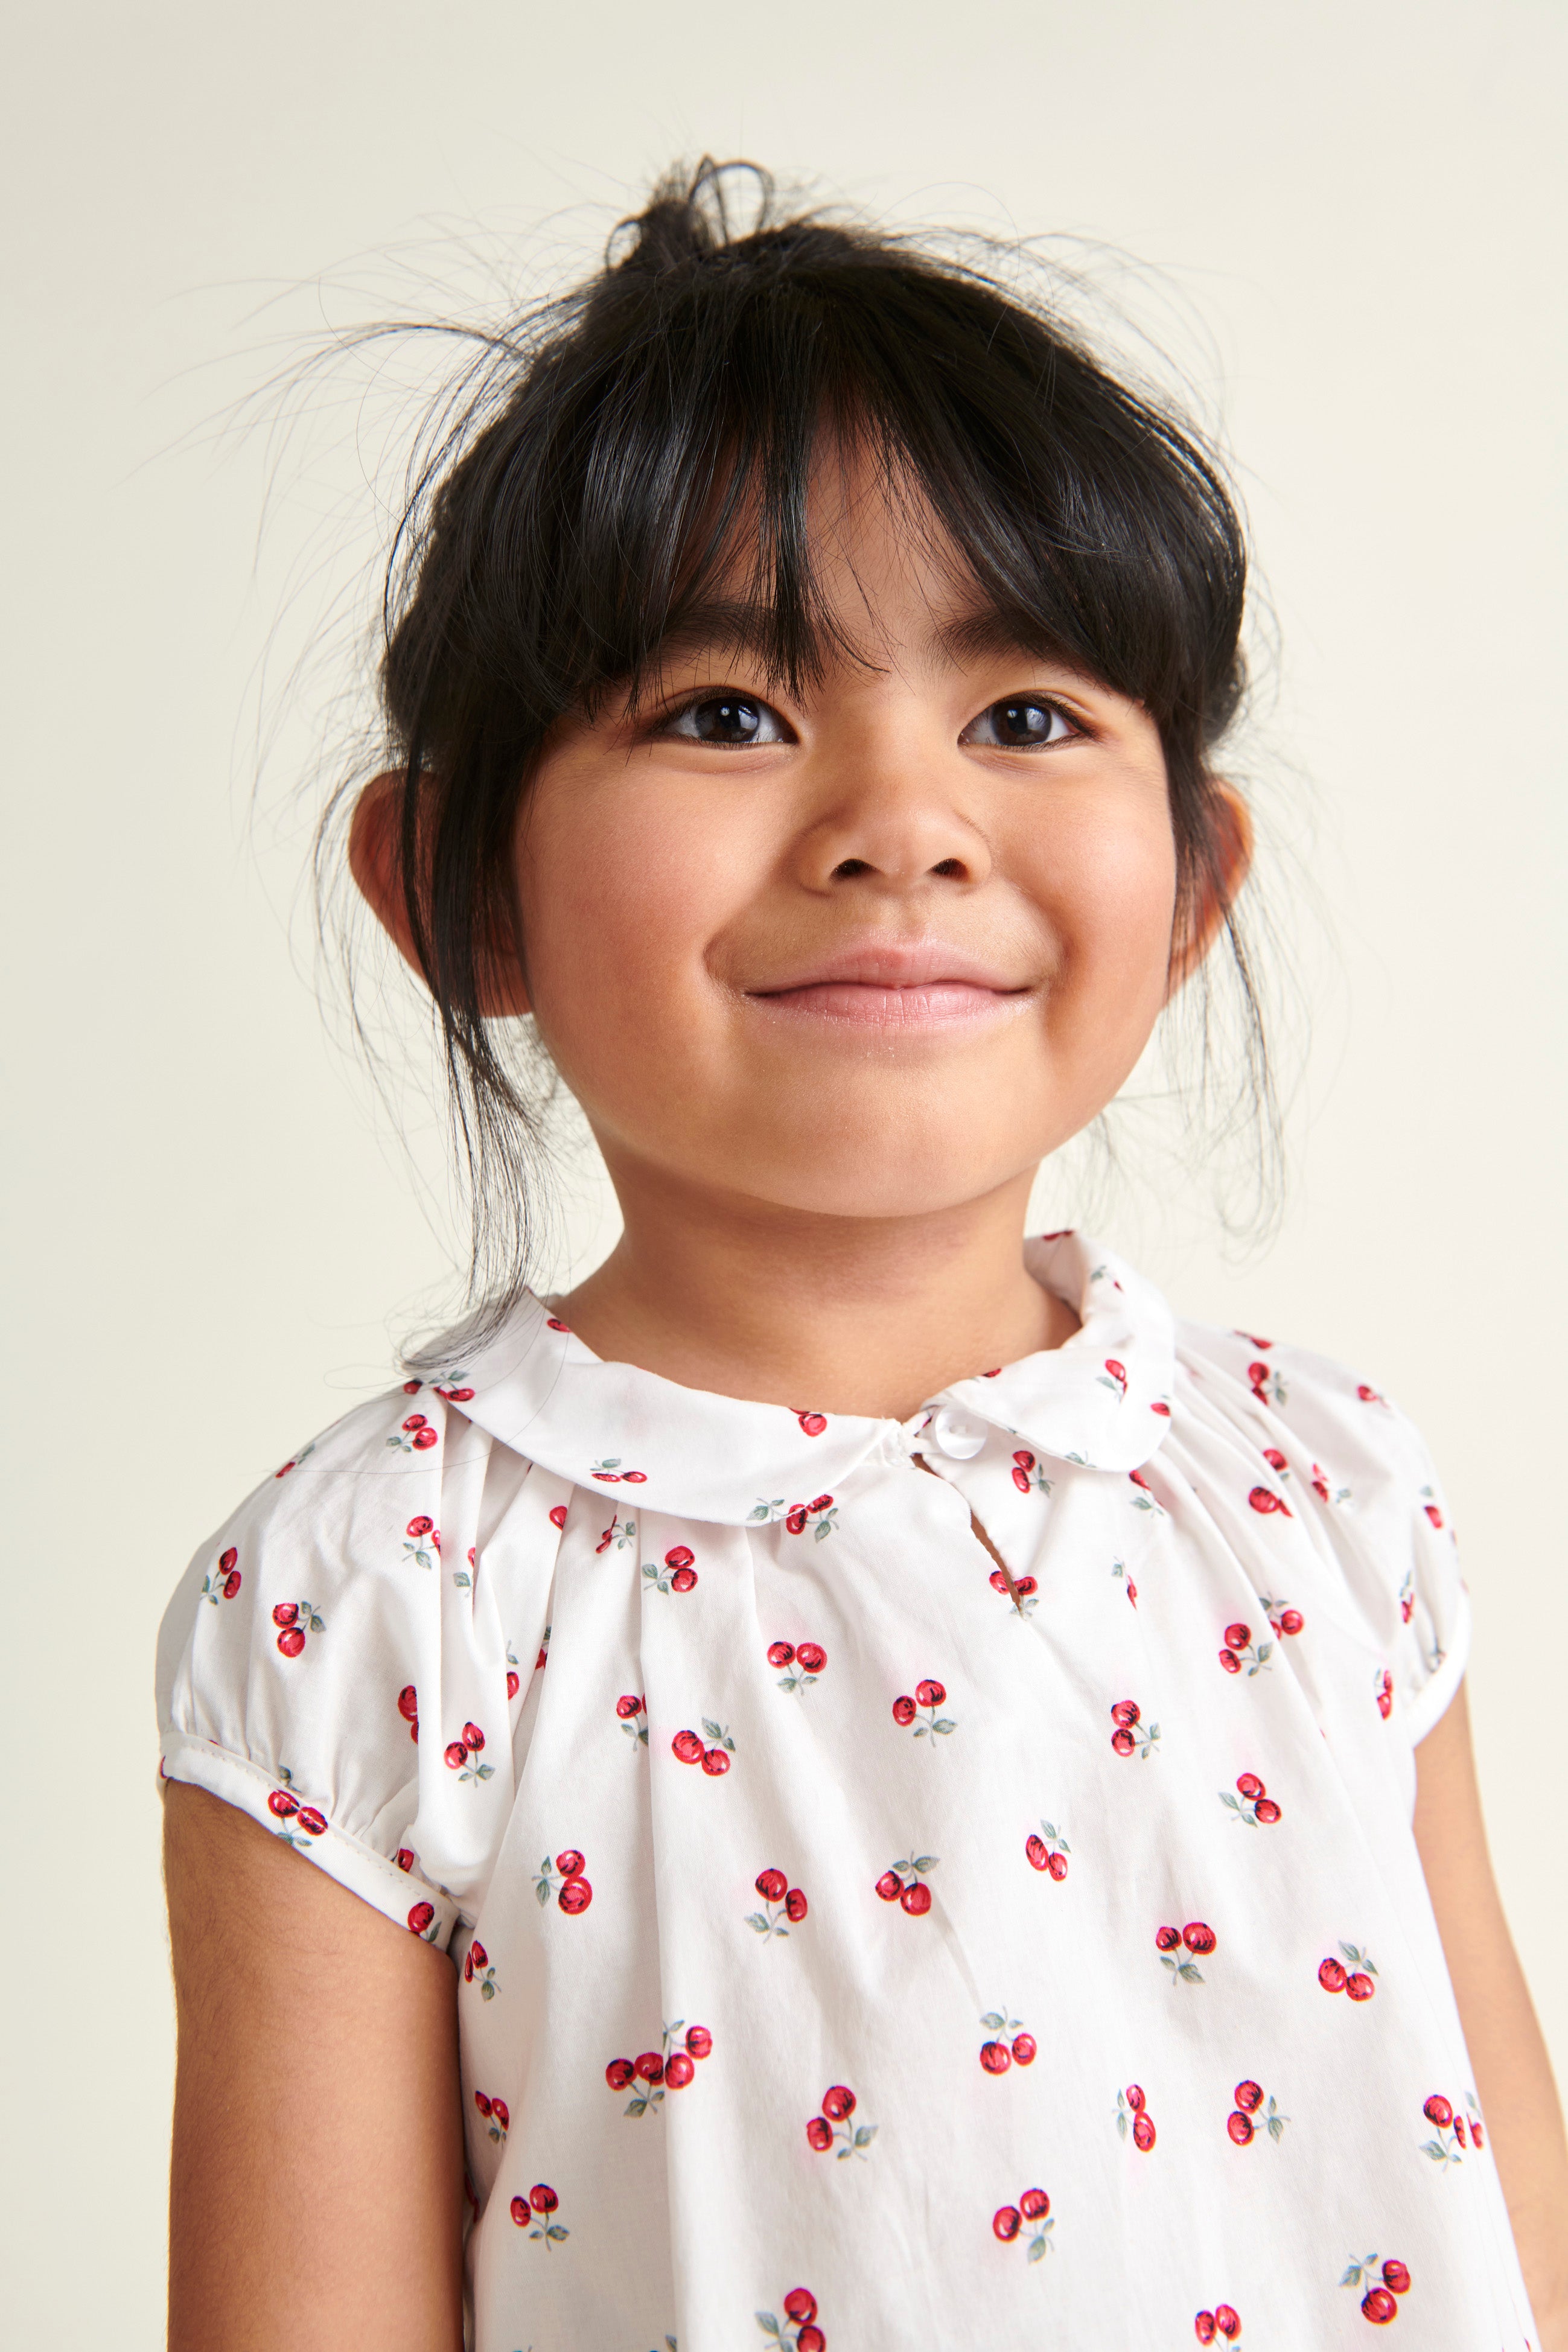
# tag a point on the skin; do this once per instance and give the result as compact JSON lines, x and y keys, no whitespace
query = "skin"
{"x":824,"y":1182}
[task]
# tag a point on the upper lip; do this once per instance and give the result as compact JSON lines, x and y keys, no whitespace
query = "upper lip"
{"x":893,"y":963}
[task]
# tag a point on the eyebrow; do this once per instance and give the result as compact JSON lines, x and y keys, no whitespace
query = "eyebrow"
{"x":742,"y":626}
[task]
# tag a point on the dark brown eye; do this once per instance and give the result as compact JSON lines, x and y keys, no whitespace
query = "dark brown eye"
{"x":1020,"y":723}
{"x":735,"y":720}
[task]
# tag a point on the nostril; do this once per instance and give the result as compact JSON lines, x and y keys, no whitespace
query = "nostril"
{"x":952,"y":866}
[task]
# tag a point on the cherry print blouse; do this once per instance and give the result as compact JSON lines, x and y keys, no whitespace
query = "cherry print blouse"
{"x":862,"y":1943}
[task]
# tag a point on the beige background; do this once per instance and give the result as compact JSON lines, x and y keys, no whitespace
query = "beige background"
{"x":213,"y":1233}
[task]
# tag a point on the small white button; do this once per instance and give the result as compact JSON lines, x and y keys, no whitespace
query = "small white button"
{"x":959,"y":1438}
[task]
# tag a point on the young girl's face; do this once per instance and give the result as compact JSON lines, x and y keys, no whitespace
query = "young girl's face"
{"x":870,"y":950}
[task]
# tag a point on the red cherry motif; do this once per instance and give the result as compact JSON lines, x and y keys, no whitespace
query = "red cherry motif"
{"x":813,"y":1423}
{"x":687,"y":1746}
{"x":291,"y":1642}
{"x":838,"y":2103}
{"x":1275,"y":1459}
{"x":404,"y":1858}
{"x":1034,"y":2204}
{"x":227,"y":1559}
{"x":679,"y":2070}
{"x":931,"y":1693}
{"x":1460,"y":2129}
{"x":1058,"y":1866}
{"x":812,"y":1656}
{"x":1230,"y":1662}
{"x":1332,"y":1976}
{"x":651,"y":2067}
{"x":570,"y":1864}
{"x":1118,"y":1372}
{"x":1360,"y":1986}
{"x":715,"y":1760}
{"x":810,"y":2339}
{"x":699,"y":2041}
{"x":574,"y":1896}
{"x":513,"y":1683}
{"x":771,"y":1885}
{"x":1385,"y":1695}
{"x":1240,"y":2126}
{"x":1198,"y":1938}
{"x":819,"y":2133}
{"x":1292,"y":1621}
{"x":800,"y":2304}
{"x":1249,"y":1785}
{"x":1266,"y":1810}
{"x":558,"y":1515}
{"x":1167,"y":1939}
{"x":1226,"y":2319}
{"x":795,"y":1906}
{"x":419,"y":1918}
{"x":286,"y":1612}
{"x":1264,"y":1499}
{"x":1204,"y":2326}
{"x":456,"y":1756}
{"x":916,"y":1899}
{"x":1237,"y":1636}
{"x":312,"y":1820}
{"x":904,"y":1709}
{"x":1248,"y":2097}
{"x":1007,"y":2221}
{"x":1038,"y":1851}
{"x":473,"y":1737}
{"x":231,"y":1583}
{"x":1134,"y":2094}
{"x":1025,"y":2049}
{"x":1125,"y":1711}
{"x":1397,"y":2278}
{"x":555,"y":1323}
{"x":794,"y":1519}
{"x":996,"y":2057}
{"x":781,"y":1653}
{"x":619,"y":2072}
{"x":420,"y":1526}
{"x":519,"y":2211}
{"x":1378,"y":2306}
{"x":284,"y":1805}
{"x":889,"y":1886}
{"x":1143,"y":2134}
{"x":1121,"y":1739}
{"x":628,"y":1706}
{"x":542,"y":2197}
{"x":412,"y":1388}
{"x":1437,"y":2111}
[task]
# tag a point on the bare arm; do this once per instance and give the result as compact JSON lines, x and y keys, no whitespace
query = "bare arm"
{"x":1513,"y":2073}
{"x":316,"y":2197}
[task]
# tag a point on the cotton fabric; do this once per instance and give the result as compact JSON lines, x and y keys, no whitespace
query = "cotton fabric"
{"x":862,"y":1942}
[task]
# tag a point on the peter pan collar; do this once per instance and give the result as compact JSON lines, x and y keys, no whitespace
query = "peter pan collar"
{"x":1103,"y":1400}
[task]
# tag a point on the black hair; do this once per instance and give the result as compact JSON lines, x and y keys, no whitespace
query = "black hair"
{"x":608,"y":447}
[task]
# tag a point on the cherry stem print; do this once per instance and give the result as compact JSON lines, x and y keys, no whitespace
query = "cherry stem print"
{"x":1174,"y":1944}
{"x":480,"y":1968}
{"x":786,"y":1906}
{"x":798,"y":2326}
{"x":821,"y":1517}
{"x":1133,"y":2119}
{"x":1144,"y":1496}
{"x":676,"y":1573}
{"x":1378,"y":2303}
{"x":922,"y":1712}
{"x":1049,"y":1851}
{"x":535,"y":2213}
{"x":1352,"y":1975}
{"x":223,"y":1582}
{"x":285,"y":1807}
{"x":1248,"y":2115}
{"x":1131,"y":1732}
{"x":1031,"y":2214}
{"x":1287,"y":1621}
{"x":1027,"y":1475}
{"x":423,"y":1541}
{"x":462,"y":1756}
{"x":1008,"y":2045}
{"x":1252,"y":1803}
{"x":1448,"y":2132}
{"x":801,"y":1665}
{"x":1240,"y":1654}
{"x":669,"y":2067}
{"x":715,"y":1759}
{"x":631,"y":1710}
{"x":834,"y":2125}
{"x":905,"y":1884}
{"x":620,"y":1532}
{"x":497,"y":2115}
{"x":1119,"y":1568}
{"x":415,"y":1436}
{"x":609,"y":1472}
{"x":571,"y":1889}
{"x":294,"y":1620}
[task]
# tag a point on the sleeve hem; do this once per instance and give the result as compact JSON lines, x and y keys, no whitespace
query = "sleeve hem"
{"x":399,"y":1895}
{"x":1432,"y":1701}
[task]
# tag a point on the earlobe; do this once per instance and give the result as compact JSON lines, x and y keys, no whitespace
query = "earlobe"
{"x":1225,"y":870}
{"x":375,"y":862}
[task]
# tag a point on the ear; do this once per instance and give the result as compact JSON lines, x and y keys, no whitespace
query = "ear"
{"x":375,"y":861}
{"x":1229,"y":864}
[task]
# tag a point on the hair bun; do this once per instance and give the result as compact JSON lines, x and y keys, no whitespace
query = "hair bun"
{"x":690,"y":215}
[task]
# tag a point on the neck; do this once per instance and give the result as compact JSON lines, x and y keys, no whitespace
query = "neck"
{"x":825,"y":1313}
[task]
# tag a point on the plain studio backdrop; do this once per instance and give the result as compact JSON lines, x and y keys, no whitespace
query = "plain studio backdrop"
{"x":1351,"y":217}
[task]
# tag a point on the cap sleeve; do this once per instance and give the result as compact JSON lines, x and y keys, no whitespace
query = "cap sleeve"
{"x":1386,"y":1512}
{"x":347,"y":1659}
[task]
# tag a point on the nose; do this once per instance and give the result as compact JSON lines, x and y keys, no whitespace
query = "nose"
{"x":893,"y":826}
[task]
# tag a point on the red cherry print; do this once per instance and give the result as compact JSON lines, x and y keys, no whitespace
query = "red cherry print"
{"x":1117,"y":1371}
{"x":513,"y":1683}
{"x":715,"y":1761}
{"x":771,"y":1885}
{"x":1161,"y":1408}
{"x":231,"y":1583}
{"x":794,"y":1519}
{"x":619,"y":2072}
{"x":415,"y":1421}
{"x":423,"y":1438}
{"x":1143,"y":2131}
{"x":1239,"y":2126}
{"x":502,"y":2113}
{"x":1378,"y":2306}
{"x":679,"y":2070}
{"x":1007,"y":2221}
{"x":1230,"y":1662}
{"x":478,"y":1954}
{"x":687,"y":1746}
{"x":904,"y":1709}
{"x":570,"y":1864}
{"x":1460,"y":2129}
{"x":558,"y":1515}
{"x":311,"y":1820}
{"x":519,"y":2211}
{"x":1025,"y":2049}
{"x":800,"y":2304}
{"x":420,"y":1526}
{"x":1226,"y":2319}
{"x":1249,"y":1785}
{"x":1020,"y":1480}
{"x":821,"y":1503}
{"x":483,"y":2104}
{"x":1204,"y":2326}
{"x":1437,"y":2111}
{"x":542,"y":2197}
{"x":1397,"y":2278}
{"x":1058,"y":1866}
{"x":227,"y":1559}
{"x":291,"y":1642}
{"x":412,"y":1388}
{"x":1332,"y":1976}
{"x":811,"y":2339}
{"x":281,"y":1803}
{"x":473,"y":1737}
{"x":819,"y":2132}
{"x":812,"y":1656}
{"x":404,"y":1858}
{"x":555,"y":1323}
{"x":286,"y":1612}
{"x":1026,"y":1585}
{"x":683,"y":1580}
{"x":574,"y":1896}
{"x":1034,"y":1847}
{"x":419,"y":1918}
{"x":1125,"y":1711}
{"x":1249,"y":2097}
{"x":1134,"y":2094}
{"x":1433,"y":1513}
{"x":813,"y":1423}
{"x":795,"y":1906}
{"x":780,"y":1653}
{"x":408,"y":1703}
{"x":456,"y":1756}
{"x":1266,"y":1810}
{"x":1264,"y":1499}
{"x":931,"y":1693}
{"x":679,"y":1556}
{"x":1359,"y":1986}
{"x":1275,"y":1459}
{"x":699,"y":2041}
{"x":916,"y":1899}
{"x":1292,"y":1621}
{"x":1121,"y":1739}
{"x":1167,"y":1939}
{"x":628,"y":1706}
{"x":838,"y":2103}
{"x":1476,"y":2132}
{"x":996,"y":2057}
{"x":889,"y":1886}
{"x":1034,"y":2204}
{"x":649,"y":2067}
{"x":1237,"y":1636}
{"x":1198,"y":1938}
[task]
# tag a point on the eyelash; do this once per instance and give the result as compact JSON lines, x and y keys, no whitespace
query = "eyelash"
{"x":665,"y":724}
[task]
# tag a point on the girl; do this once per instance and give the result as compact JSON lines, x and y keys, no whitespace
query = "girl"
{"x":866,"y":1786}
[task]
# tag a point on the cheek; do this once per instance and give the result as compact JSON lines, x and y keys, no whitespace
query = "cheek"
{"x":1108,"y":887}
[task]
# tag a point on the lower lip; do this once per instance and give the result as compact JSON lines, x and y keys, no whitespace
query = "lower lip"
{"x":936,"y":1005}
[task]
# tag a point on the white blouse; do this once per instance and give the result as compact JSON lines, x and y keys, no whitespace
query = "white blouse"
{"x":863,"y":1944}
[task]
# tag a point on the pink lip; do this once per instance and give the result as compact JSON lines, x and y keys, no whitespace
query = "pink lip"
{"x":908,"y":985}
